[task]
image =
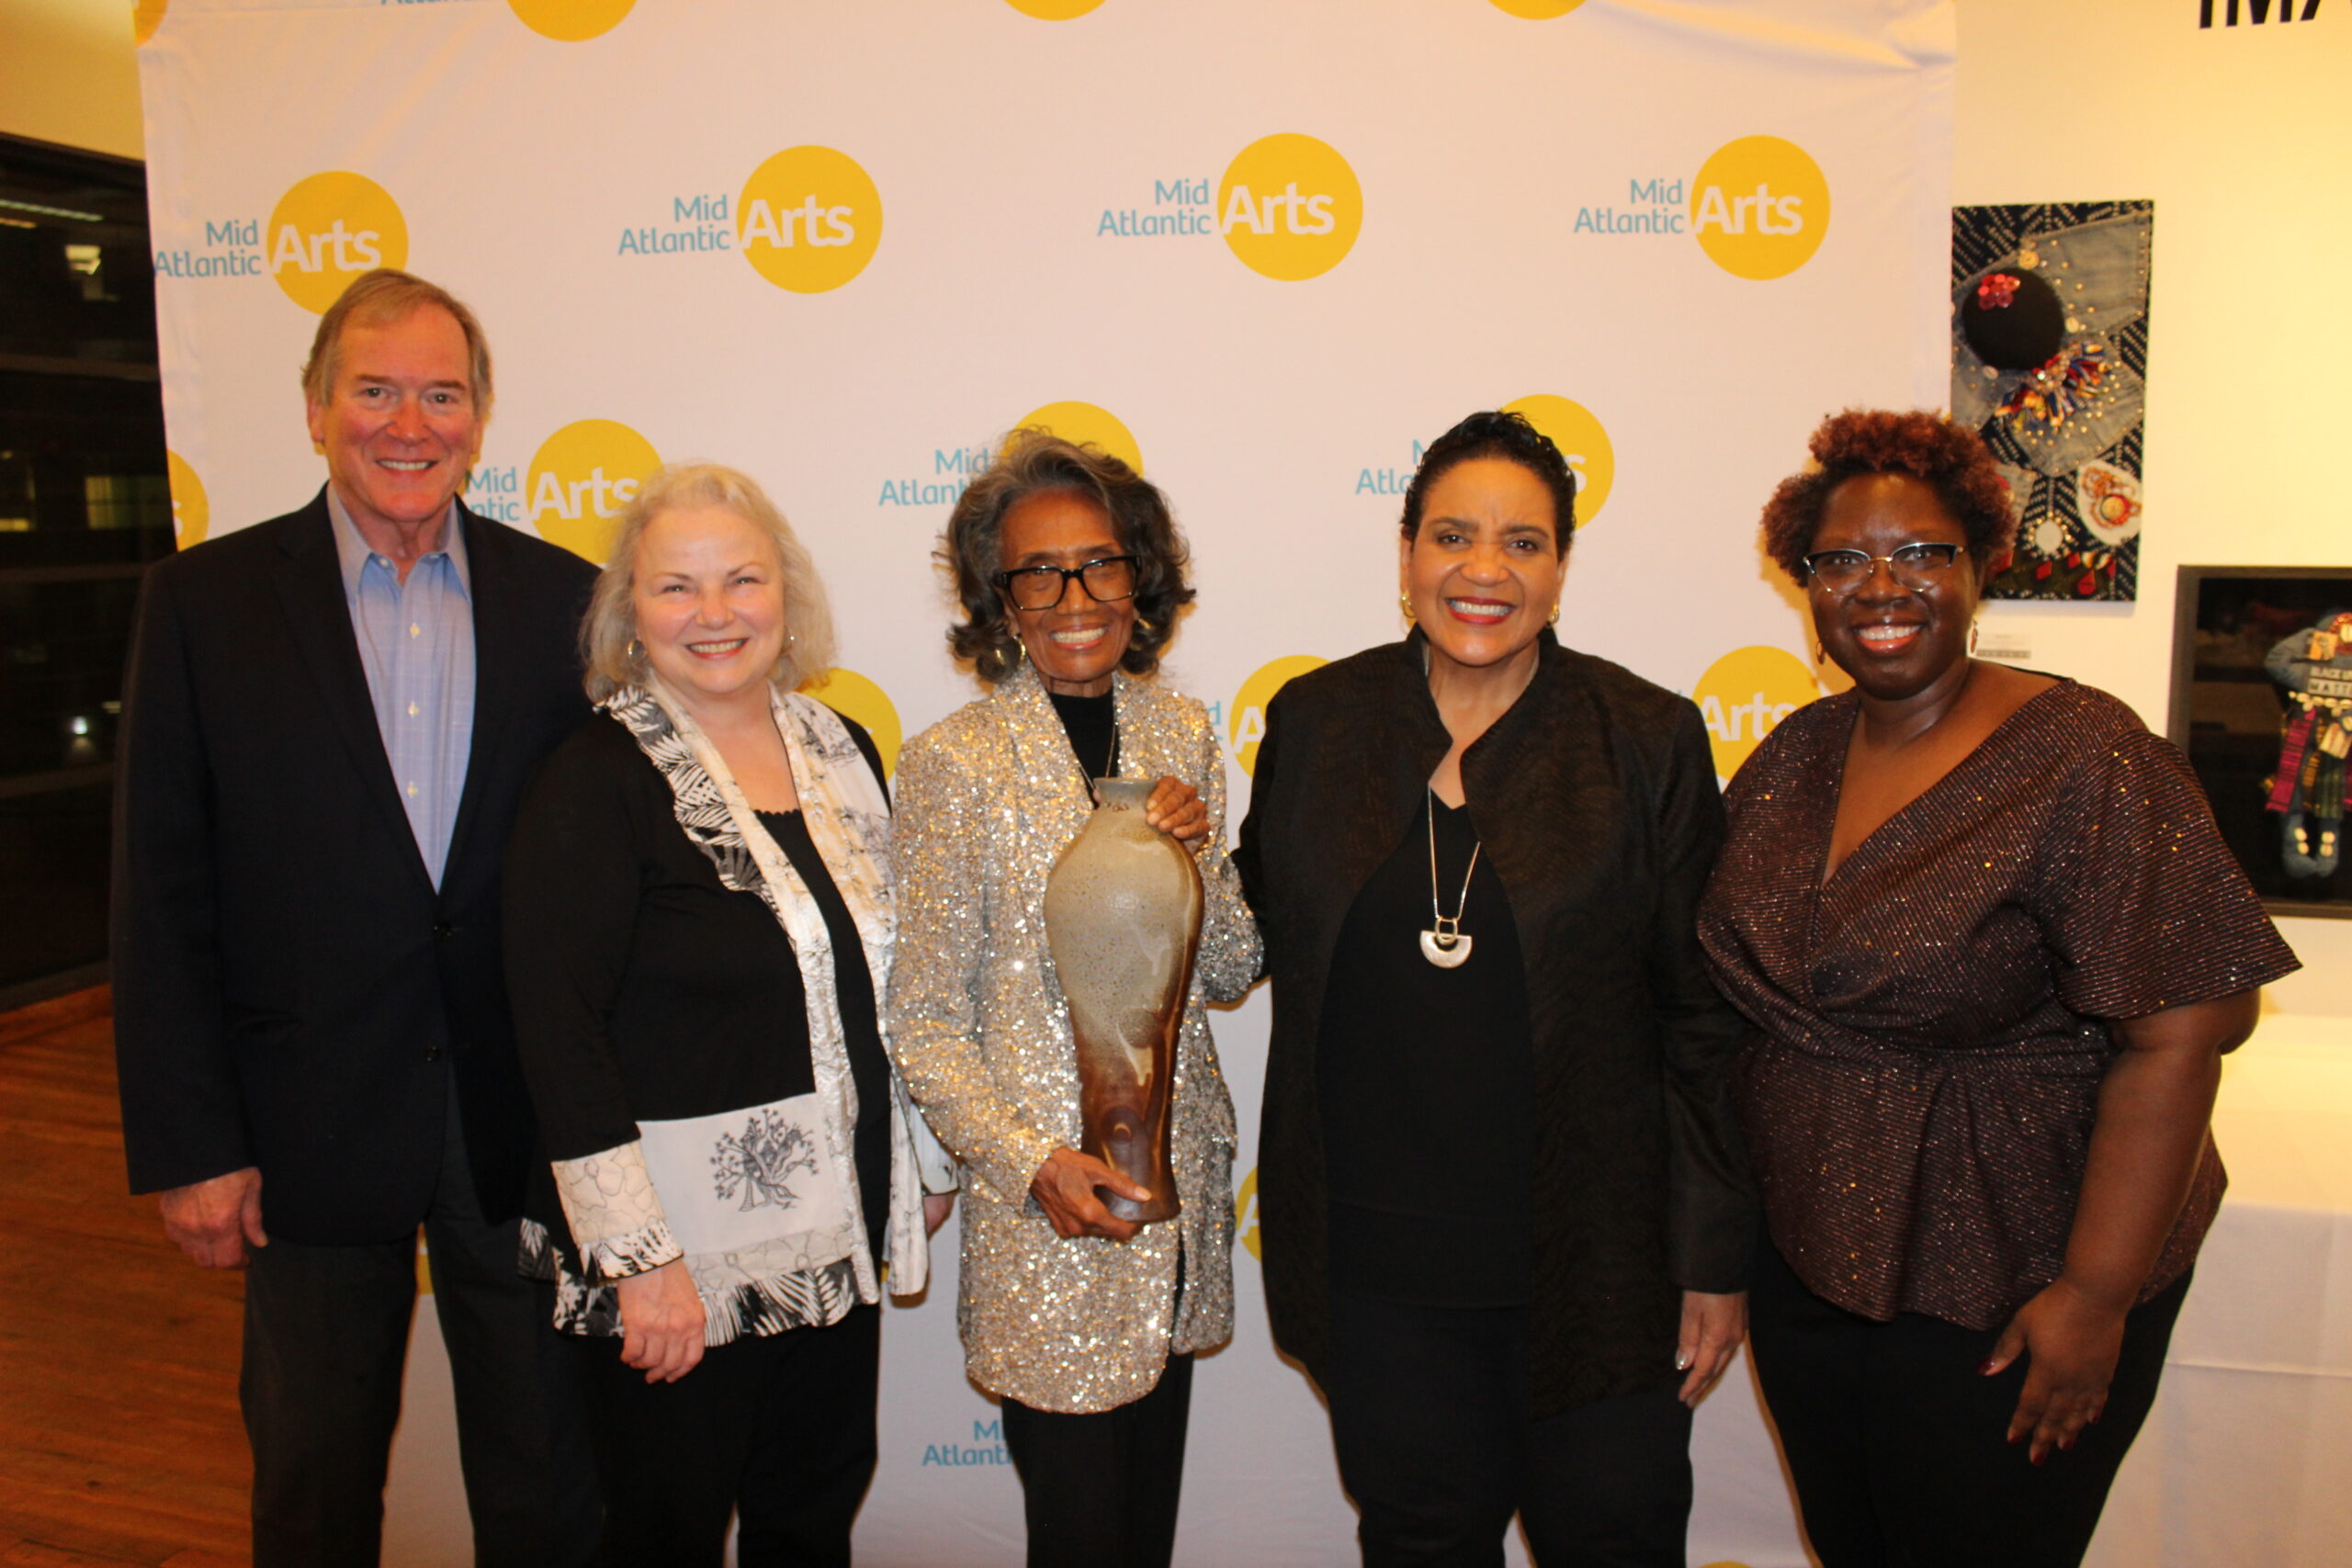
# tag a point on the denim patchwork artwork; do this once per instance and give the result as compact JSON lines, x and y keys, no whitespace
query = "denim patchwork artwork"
{"x":2067,"y":430}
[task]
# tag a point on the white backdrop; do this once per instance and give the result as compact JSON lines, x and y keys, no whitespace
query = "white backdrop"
{"x":1267,"y":249}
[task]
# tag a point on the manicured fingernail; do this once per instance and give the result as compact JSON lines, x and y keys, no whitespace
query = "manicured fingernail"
{"x":1987,"y":1368}
{"x":2040,"y":1456}
{"x":2065,"y":1445}
{"x":2016,"y":1438}
{"x":1683,"y":1362}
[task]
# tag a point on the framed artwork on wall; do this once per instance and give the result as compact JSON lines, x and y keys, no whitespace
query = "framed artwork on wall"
{"x":2262,"y":704}
{"x":2049,"y":364}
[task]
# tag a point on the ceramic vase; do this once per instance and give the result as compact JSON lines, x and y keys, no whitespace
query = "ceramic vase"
{"x":1122,"y":921}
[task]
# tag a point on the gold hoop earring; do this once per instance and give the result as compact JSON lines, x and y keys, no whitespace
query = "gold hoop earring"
{"x":1405,"y":608}
{"x":636,"y":648}
{"x":1145,"y":627}
{"x":1553,"y":618}
{"x":1820,"y":654}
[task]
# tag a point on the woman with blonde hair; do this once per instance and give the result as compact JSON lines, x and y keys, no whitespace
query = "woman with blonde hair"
{"x":699,"y":925}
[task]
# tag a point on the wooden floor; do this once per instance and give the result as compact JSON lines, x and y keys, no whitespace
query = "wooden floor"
{"x":120,"y":1440}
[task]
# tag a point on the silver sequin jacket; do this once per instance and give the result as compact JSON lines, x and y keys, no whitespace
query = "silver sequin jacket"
{"x":987,"y":800}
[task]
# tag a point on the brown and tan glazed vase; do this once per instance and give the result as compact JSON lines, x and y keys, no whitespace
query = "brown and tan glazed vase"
{"x":1123,"y":921}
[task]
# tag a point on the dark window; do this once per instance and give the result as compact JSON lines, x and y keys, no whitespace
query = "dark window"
{"x":84,"y":505}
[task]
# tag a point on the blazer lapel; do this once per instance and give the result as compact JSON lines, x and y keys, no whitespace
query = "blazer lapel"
{"x":310,"y":588}
{"x":496,"y":659}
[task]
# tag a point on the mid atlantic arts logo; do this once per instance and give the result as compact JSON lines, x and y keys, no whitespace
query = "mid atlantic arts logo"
{"x":1759,"y":207}
{"x":809,"y":220}
{"x":1289,"y":206}
{"x":326,"y":231}
{"x":579,"y":481}
{"x":1744,"y":696}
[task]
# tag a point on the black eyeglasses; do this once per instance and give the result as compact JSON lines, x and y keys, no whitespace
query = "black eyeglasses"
{"x":1106,"y":580}
{"x":1917,"y":567}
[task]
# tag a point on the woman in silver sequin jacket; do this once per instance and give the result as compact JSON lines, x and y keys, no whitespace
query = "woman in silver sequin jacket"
{"x":1070,"y":573}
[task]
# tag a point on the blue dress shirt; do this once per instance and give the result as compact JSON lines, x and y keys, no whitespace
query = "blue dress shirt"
{"x":416,"y":643}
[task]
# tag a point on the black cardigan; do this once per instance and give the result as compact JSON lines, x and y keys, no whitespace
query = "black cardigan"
{"x":1595,"y":797}
{"x":642,"y":987}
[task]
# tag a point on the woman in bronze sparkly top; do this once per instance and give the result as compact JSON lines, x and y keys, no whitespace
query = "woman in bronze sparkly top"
{"x":1995,"y":949}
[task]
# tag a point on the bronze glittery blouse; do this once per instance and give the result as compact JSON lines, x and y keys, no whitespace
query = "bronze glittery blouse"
{"x":1918,"y":1101}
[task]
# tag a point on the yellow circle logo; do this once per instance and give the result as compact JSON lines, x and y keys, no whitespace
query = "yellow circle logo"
{"x":1248,"y":725}
{"x":1053,"y":11}
{"x":1290,"y":206}
{"x":1087,"y":425}
{"x":1581,"y":440}
{"x":570,"y":21}
{"x":1537,"y":10}
{"x":852,"y":695}
{"x":580,"y":478}
{"x":1760,"y":207}
{"x":328,"y":229}
{"x":809,"y":220}
{"x":1245,"y":1213}
{"x":146,"y":16}
{"x":191,"y":513}
{"x":1745,"y":694}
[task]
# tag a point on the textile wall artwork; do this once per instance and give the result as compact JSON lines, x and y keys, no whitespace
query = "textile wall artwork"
{"x":2050,"y":364}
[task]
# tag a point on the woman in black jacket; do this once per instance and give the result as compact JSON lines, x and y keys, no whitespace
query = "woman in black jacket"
{"x":1505,"y":1213}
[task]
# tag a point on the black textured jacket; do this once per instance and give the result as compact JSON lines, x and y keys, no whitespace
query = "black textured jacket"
{"x":1595,"y":798}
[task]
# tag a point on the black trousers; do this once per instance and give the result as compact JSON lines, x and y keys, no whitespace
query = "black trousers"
{"x":1900,"y":1450}
{"x":325,"y":1344}
{"x":778,"y":1429}
{"x":1438,"y":1447}
{"x":1101,"y":1491}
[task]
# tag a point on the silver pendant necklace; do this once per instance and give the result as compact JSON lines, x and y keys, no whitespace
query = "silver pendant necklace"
{"x":1443,"y":945}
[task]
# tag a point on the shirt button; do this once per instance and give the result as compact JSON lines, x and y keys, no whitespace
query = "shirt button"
{"x":412,"y":710}
{"x":433,"y":1053}
{"x":415,"y":630}
{"x":411,"y":790}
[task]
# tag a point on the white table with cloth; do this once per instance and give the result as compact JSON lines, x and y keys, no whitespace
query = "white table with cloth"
{"x":2247,"y":1458}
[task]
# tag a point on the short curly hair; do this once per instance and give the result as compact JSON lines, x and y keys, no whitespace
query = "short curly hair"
{"x":1033,"y":462}
{"x":1493,"y":433}
{"x":1949,"y":458}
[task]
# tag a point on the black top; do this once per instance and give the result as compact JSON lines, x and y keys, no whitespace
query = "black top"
{"x":1441,"y":1217}
{"x":644,"y":987}
{"x":1093,"y":726}
{"x":869,"y":1070}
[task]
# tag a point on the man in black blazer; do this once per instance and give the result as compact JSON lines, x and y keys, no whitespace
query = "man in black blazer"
{"x":329,"y":719}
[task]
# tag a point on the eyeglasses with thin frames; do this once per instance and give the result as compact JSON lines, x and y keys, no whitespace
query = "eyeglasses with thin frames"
{"x":1918,"y":566}
{"x":1107,"y":579}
